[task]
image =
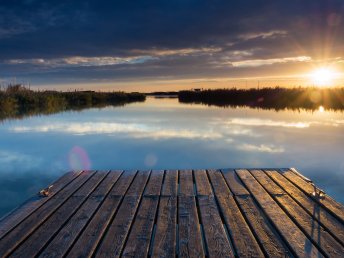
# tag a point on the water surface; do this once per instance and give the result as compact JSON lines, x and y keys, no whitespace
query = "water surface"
{"x":164,"y":134}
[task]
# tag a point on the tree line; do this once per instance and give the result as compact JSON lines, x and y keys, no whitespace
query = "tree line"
{"x":268,"y":98}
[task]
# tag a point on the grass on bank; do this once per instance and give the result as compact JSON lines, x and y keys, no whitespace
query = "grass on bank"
{"x":17,"y":101}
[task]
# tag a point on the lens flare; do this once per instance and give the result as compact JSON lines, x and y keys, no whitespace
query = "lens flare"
{"x":78,"y":159}
{"x":151,"y":160}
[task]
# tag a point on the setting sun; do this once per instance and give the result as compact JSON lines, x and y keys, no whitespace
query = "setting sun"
{"x":323,"y":76}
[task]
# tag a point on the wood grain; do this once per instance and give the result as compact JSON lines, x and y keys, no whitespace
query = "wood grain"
{"x":87,"y":242}
{"x":34,"y":244}
{"x":234,"y":182}
{"x":170,"y":187}
{"x":171,"y":213}
{"x":327,"y":202}
{"x":114,"y":239}
{"x":14,"y":217}
{"x":164,"y":244}
{"x":11,"y":240}
{"x":296,"y":239}
{"x":190,"y":238}
{"x":318,"y":212}
{"x":141,"y":232}
{"x":320,"y":237}
{"x":186,"y":183}
{"x":69,"y":233}
{"x":215,"y":235}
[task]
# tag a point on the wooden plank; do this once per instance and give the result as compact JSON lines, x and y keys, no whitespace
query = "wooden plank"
{"x":265,"y":181}
{"x":145,"y":212}
{"x":13,"y":218}
{"x":326,"y":219}
{"x":190,"y":238}
{"x":186,"y":183}
{"x":164,"y":244}
{"x":297,"y":241}
{"x":170,"y":187}
{"x":322,"y":239}
{"x":234,"y":183}
{"x":269,"y":240}
{"x":139,"y":183}
{"x":61,"y":243}
{"x":87,"y":242}
{"x":331,"y":205}
{"x":141,"y":232}
{"x":154,"y":184}
{"x":26,"y":227}
{"x":35,"y":242}
{"x":114,"y":239}
{"x":108,"y":214}
{"x":202,"y":183}
{"x":244,"y":242}
{"x":219,"y":184}
{"x":215,"y":234}
{"x":124,"y":183}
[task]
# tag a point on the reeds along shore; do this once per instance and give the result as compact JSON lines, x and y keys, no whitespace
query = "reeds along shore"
{"x":269,"y":98}
{"x":17,"y":101}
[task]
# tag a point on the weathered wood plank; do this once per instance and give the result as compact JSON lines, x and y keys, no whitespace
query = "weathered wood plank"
{"x":114,"y":239}
{"x":326,"y":219}
{"x":243,"y":213}
{"x":124,"y":183}
{"x":244,"y":242}
{"x":322,"y":239}
{"x":267,"y":236}
{"x":11,"y":240}
{"x":331,"y":205}
{"x":141,"y":231}
{"x":186,"y":183}
{"x":170,"y":187}
{"x":218,"y":244}
{"x":190,"y":238}
{"x":13,"y":218}
{"x":297,"y":241}
{"x":61,"y":243}
{"x":234,"y":183}
{"x":215,"y":235}
{"x":139,"y":183}
{"x":219,"y":184}
{"x":139,"y":238}
{"x":34,"y":243}
{"x":202,"y":183}
{"x":164,"y":244}
{"x":87,"y":242}
{"x":154,"y":184}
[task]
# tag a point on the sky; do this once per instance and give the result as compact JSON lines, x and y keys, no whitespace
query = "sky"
{"x":169,"y":45}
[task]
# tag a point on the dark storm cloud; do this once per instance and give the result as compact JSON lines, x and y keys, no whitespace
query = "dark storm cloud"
{"x":117,"y":39}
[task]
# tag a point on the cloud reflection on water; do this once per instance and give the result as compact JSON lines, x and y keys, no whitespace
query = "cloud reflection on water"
{"x":163,"y":134}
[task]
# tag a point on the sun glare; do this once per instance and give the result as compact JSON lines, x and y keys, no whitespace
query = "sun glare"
{"x":323,"y":76}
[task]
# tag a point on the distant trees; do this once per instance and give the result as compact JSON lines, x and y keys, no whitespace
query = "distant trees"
{"x":269,"y":98}
{"x":17,"y":100}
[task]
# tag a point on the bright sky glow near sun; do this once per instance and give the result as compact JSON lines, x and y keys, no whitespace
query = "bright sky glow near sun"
{"x":171,"y":45}
{"x":324,"y":76}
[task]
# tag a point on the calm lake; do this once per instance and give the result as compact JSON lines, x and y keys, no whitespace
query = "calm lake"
{"x":164,"y":134}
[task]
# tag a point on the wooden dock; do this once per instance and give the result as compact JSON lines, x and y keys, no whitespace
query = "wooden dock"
{"x":185,"y":213}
